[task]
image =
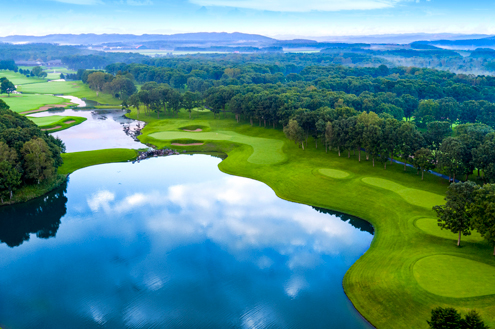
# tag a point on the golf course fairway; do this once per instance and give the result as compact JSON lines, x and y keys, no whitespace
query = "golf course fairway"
{"x":395,"y":284}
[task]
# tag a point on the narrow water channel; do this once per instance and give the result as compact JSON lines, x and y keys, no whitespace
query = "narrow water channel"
{"x":173,"y":242}
{"x":103,"y":129}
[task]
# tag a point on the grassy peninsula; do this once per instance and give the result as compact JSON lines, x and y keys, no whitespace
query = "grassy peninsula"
{"x":408,"y":269}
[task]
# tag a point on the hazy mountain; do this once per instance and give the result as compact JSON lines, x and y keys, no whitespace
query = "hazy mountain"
{"x":96,"y":39}
{"x":463,"y":44}
{"x":393,"y":38}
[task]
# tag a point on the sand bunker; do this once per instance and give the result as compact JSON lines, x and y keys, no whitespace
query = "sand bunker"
{"x":69,"y":122}
{"x":199,"y":129}
{"x":190,"y":144}
{"x":56,"y":127}
{"x":46,"y":107}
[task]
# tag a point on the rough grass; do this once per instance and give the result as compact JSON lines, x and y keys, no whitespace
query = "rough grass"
{"x":27,"y":102}
{"x":430,"y":226}
{"x":64,"y":122}
{"x":381,"y":284}
{"x":78,"y":160}
{"x":456,"y":277}
{"x":411,"y":195}
{"x":32,"y":191}
{"x":333,"y":173}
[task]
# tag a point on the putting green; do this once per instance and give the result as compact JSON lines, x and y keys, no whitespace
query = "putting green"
{"x":333,"y":173}
{"x":430,"y":226}
{"x":457,"y":277}
{"x":265,"y":150}
{"x":411,"y":195}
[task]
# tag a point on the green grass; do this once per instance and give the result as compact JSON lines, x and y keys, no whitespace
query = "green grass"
{"x":32,"y":191}
{"x":411,"y":195}
{"x":265,"y":150}
{"x":78,"y":160}
{"x":55,"y":87}
{"x":430,"y":226}
{"x":456,"y":277}
{"x":381,"y":284}
{"x":19,"y":79}
{"x":59,"y":121}
{"x":27,"y":102}
{"x":333,"y":173}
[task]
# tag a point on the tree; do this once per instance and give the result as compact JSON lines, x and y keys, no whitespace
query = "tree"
{"x":436,"y":133}
{"x":409,"y":141}
{"x":484,"y":158}
{"x":472,"y":320}
{"x":6,"y":87}
{"x":444,"y":318}
{"x":97,"y":80}
{"x":453,"y":215}
{"x":3,"y":105}
{"x":328,"y":135}
{"x":294,"y":132}
{"x":38,"y":162}
{"x":134,"y":102}
{"x":424,"y":159}
{"x":191,"y":100}
{"x":409,"y":105}
{"x":453,"y":157}
{"x":10,"y":178}
{"x":482,"y":211}
{"x":426,"y":112}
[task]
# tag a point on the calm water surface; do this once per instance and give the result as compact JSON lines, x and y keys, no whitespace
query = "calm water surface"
{"x":103,"y":129}
{"x":174,"y":243}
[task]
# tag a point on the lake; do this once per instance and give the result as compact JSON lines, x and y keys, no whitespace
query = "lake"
{"x":103,"y":129}
{"x":173,"y":242}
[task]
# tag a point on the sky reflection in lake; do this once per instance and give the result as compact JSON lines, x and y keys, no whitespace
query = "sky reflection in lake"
{"x":103,"y":129}
{"x":174,"y":243}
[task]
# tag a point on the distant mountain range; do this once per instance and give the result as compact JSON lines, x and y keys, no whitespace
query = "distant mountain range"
{"x":202,"y":39}
{"x":97,"y":39}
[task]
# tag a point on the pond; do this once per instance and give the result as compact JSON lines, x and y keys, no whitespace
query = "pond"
{"x":173,"y":242}
{"x":103,"y":129}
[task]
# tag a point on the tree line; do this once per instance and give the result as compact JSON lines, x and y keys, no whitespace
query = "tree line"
{"x":28,"y":156}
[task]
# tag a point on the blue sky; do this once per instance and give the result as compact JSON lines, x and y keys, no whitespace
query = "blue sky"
{"x":276,"y":18}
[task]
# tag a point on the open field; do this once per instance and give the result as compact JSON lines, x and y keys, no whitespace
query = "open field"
{"x":383,"y":284}
{"x":29,"y":102}
{"x":57,"y":122}
{"x":72,"y":88}
{"x":78,"y":160}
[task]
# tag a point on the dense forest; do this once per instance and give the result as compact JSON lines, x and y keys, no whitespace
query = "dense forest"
{"x":429,"y":118}
{"x":28,"y":156}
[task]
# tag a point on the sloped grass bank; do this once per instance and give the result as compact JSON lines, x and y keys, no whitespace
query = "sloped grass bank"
{"x":77,"y":160}
{"x":56,"y":123}
{"x":381,"y":284}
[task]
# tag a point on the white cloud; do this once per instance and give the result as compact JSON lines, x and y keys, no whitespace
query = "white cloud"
{"x":139,"y":2}
{"x":80,"y":2}
{"x":301,"y":6}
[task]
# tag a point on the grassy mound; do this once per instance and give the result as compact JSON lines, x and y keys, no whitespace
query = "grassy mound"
{"x":411,"y":195}
{"x":333,"y":173}
{"x":430,"y":226}
{"x":457,"y":277}
{"x":193,"y":128}
{"x":56,"y":123}
{"x":78,"y":160}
